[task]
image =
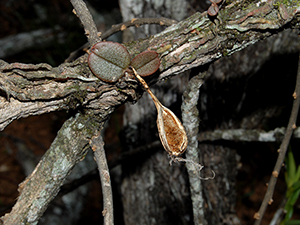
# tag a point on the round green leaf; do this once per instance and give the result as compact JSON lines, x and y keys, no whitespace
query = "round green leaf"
{"x":146,"y":63}
{"x":108,"y":60}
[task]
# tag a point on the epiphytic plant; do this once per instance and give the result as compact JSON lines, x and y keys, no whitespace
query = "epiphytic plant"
{"x":109,"y":61}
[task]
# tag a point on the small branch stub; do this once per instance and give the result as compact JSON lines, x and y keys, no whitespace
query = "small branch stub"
{"x":256,"y":216}
{"x":275,"y":174}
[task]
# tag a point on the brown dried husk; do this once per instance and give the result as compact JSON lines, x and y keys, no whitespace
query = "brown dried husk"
{"x":171,"y":132}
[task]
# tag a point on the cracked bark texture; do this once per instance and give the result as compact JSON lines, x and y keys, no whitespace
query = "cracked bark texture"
{"x":236,"y":95}
{"x":191,"y":120}
{"x":36,"y":89}
{"x":152,"y":191}
{"x":218,"y":194}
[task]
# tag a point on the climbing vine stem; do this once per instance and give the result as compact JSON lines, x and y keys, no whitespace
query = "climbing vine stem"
{"x":281,"y":152}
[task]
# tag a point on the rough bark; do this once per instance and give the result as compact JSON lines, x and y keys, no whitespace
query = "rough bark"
{"x":67,"y":149}
{"x":191,"y":120}
{"x":237,"y":103}
{"x":141,"y":130}
{"x":188,"y":44}
{"x":36,"y":89}
{"x":152,"y":190}
{"x":44,"y":182}
{"x":219,"y":193}
{"x":97,"y":146}
{"x":155,"y":190}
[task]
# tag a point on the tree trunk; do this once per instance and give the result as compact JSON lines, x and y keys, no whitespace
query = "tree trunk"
{"x":28,"y":89}
{"x":153,"y":192}
{"x":149,"y":192}
{"x":142,"y":180}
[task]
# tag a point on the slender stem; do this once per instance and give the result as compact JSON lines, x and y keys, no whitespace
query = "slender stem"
{"x":87,"y":21}
{"x":155,"y":100}
{"x":137,"y":22}
{"x":120,"y":27}
{"x":97,"y":144}
{"x":190,"y":119}
{"x":282,"y":151}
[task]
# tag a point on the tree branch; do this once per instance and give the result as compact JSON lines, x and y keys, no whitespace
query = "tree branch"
{"x":138,"y":22}
{"x":188,"y":44}
{"x":97,"y":145}
{"x":185,"y":45}
{"x":190,"y":119}
{"x":252,"y":135}
{"x":44,"y":183}
{"x":38,"y":89}
{"x":281,"y":152}
{"x":87,"y":21}
{"x":121,"y":27}
{"x":66,"y":150}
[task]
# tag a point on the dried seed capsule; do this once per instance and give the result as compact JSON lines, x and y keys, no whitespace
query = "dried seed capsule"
{"x":171,"y":131}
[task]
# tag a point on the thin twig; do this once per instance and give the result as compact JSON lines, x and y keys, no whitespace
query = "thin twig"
{"x":282,"y":151}
{"x":137,"y":22}
{"x":87,"y":21}
{"x":97,"y":144}
{"x":246,"y":135}
{"x":190,"y":119}
{"x":122,"y":26}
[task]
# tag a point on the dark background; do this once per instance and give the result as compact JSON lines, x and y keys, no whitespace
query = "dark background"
{"x":31,"y":137}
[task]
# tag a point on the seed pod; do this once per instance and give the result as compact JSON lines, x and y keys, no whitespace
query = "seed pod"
{"x":171,"y":131}
{"x":108,"y":60}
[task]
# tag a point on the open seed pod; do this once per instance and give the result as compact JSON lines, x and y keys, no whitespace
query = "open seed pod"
{"x":171,"y":132}
{"x":108,"y":60}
